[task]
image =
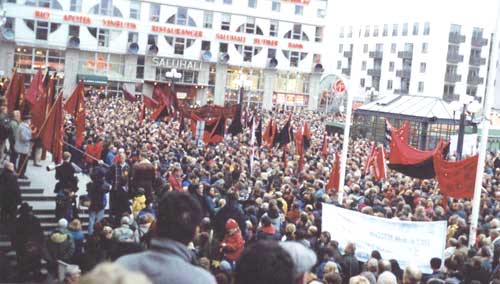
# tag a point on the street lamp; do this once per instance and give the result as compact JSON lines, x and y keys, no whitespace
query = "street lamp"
{"x":173,"y":76}
{"x":243,"y":83}
{"x":465,"y":104}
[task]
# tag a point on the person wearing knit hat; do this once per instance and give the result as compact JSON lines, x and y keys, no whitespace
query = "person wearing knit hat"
{"x":124,"y":233}
{"x":233,"y":243}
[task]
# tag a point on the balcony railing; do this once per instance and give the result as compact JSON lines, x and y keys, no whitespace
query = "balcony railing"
{"x":456,"y":38}
{"x":405,"y":54}
{"x":450,"y":97}
{"x":404,"y":73}
{"x":374,"y":72}
{"x":455,"y":58}
{"x":346,"y":71}
{"x":348,"y":54}
{"x":479,"y":41}
{"x":477,"y":61}
{"x":475,"y":80}
{"x":401,"y":91}
{"x":452,"y":78}
{"x":376,"y":54}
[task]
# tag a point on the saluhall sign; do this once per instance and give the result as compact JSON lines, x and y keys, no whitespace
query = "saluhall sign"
{"x":177,"y":63}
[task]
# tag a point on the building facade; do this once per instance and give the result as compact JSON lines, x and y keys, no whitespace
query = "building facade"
{"x":125,"y":44}
{"x":419,"y":58}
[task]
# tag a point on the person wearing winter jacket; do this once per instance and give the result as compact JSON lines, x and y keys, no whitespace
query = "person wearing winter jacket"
{"x":233,"y":243}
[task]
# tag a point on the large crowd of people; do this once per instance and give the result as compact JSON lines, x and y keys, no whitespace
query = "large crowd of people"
{"x":184,"y":213}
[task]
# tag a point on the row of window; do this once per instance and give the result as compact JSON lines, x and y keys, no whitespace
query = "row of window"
{"x":423,"y":66}
{"x":404,"y":85}
{"x":379,"y":47}
{"x":384,"y":30}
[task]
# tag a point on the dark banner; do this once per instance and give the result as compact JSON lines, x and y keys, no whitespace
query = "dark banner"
{"x":210,"y":111}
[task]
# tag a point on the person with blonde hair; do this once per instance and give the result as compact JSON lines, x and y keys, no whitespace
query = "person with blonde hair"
{"x":412,"y":275}
{"x":112,"y":273}
{"x":359,"y":280}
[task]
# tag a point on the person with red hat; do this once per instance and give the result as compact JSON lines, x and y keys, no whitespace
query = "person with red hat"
{"x":233,"y":243}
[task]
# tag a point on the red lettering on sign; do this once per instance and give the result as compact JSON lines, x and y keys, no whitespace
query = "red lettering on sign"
{"x":229,"y":37}
{"x":77,"y":19}
{"x":295,"y":45}
{"x":264,"y":41}
{"x":119,"y":24}
{"x":41,"y":14}
{"x":176,"y":31}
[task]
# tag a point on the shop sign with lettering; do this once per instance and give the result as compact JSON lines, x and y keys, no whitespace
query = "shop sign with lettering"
{"x":77,"y":19}
{"x":264,"y":41}
{"x":295,"y":45}
{"x":230,"y":37}
{"x":176,"y":31}
{"x":178,"y":63}
{"x":42,"y":14}
{"x":119,"y":24}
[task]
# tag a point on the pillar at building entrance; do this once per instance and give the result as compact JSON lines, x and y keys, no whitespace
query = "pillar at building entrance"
{"x":130,"y":72}
{"x":203,"y":76}
{"x":7,"y":50}
{"x":220,"y":83}
{"x":269,"y":81}
{"x":314,"y":90}
{"x":71,"y":57}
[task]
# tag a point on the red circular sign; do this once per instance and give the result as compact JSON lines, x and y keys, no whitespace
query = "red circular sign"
{"x":339,"y":87}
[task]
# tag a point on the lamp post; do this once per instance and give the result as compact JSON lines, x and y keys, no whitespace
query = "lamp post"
{"x":243,"y":83}
{"x":173,"y":76}
{"x":465,"y":104}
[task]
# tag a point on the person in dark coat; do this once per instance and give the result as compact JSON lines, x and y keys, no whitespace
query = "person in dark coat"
{"x":118,"y":177}
{"x":65,"y":188}
{"x":143,"y":175}
{"x":231,"y":210}
{"x":10,"y":195}
{"x":350,"y":264}
{"x":28,"y":244}
{"x":267,"y":232}
{"x":97,"y":190}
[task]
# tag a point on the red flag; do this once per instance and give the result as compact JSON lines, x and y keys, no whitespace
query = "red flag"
{"x":285,"y":158}
{"x":35,"y":89}
{"x":268,"y":132}
{"x":334,"y":179}
{"x":12,"y":91}
{"x":160,"y":96}
{"x":306,"y":136}
{"x":42,"y":105}
{"x":299,"y":141}
{"x":181,"y":125}
{"x":53,"y":130}
{"x":94,"y":150}
{"x":214,"y":130}
{"x":149,"y":102}
{"x":75,"y":105}
{"x":160,"y":112}
{"x":128,"y":96}
{"x":379,"y":165}
{"x":456,"y":179}
{"x":324,"y":148}
{"x":370,"y":159}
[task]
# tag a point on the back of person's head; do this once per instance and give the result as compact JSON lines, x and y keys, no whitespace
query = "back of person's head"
{"x":111,"y":273}
{"x":75,"y":225}
{"x":332,"y":278}
{"x":372,"y":265}
{"x":435,"y":281}
{"x":384,"y":265}
{"x":178,"y":216}
{"x":376,"y":254}
{"x":359,"y":280}
{"x":387,"y":277}
{"x":264,"y":263}
{"x":266,"y":221}
{"x":303,"y":258}
{"x":435,"y":263}
{"x":412,"y":275}
{"x":370,"y":276}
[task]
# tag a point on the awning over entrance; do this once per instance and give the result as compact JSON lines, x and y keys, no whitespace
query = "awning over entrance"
{"x":92,"y":80}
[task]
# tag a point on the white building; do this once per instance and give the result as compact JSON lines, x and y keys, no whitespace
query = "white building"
{"x":428,"y":48}
{"x":115,"y":44}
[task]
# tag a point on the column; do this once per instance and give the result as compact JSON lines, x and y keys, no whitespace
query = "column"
{"x":269,"y":81}
{"x":203,"y":77}
{"x":220,"y":83}
{"x":423,"y":136}
{"x":130,"y":72}
{"x":70,"y":70}
{"x":7,"y":50}
{"x":149,"y":75}
{"x":314,"y":80}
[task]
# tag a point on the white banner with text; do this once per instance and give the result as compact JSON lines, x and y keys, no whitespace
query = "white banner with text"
{"x":407,"y":242}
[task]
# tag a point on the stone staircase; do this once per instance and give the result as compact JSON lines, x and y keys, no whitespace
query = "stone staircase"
{"x":43,"y":203}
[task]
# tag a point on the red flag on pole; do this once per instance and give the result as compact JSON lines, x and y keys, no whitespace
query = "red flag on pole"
{"x":94,"y":150}
{"x":334,"y":179}
{"x":35,"y":89}
{"x":128,"y":96}
{"x":324,"y":148}
{"x":149,"y":102}
{"x":52,"y":131}
{"x":12,"y":91}
{"x":379,"y":165}
{"x":75,"y":105}
{"x":370,"y":160}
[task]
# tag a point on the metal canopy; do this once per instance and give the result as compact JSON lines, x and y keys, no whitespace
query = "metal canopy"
{"x":409,"y":107}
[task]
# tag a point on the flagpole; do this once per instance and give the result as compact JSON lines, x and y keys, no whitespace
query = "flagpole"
{"x":490,"y":93}
{"x":345,"y":145}
{"x":25,"y":160}
{"x":86,"y":154}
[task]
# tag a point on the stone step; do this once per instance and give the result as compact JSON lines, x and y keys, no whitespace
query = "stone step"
{"x":29,"y":191}
{"x":24,"y":182}
{"x":28,"y":198}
